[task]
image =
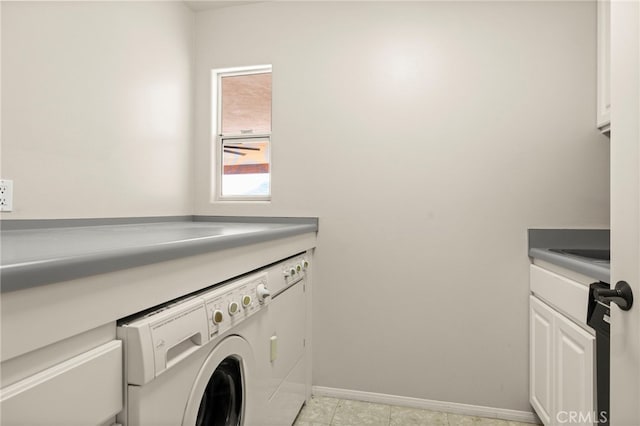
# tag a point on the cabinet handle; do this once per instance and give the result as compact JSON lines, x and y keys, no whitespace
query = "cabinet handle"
{"x":621,"y":295}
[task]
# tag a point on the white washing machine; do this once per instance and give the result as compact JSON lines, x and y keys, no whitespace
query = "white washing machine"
{"x":220,"y":357}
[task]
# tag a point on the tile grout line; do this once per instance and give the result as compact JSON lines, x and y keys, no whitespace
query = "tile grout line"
{"x":333,"y":414}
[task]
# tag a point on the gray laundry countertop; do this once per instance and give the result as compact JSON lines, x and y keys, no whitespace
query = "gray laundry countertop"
{"x":541,"y":241}
{"x":40,"y":255}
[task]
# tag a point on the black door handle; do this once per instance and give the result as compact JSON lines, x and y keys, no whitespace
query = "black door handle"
{"x":621,"y":295}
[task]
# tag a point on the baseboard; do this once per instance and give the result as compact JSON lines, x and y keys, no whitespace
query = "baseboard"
{"x":427,"y":404}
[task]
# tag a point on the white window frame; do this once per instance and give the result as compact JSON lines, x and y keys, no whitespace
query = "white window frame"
{"x":217,"y":137}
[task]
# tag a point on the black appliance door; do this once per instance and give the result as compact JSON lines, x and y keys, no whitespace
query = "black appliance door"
{"x":598,"y":315}
{"x":221,"y":403}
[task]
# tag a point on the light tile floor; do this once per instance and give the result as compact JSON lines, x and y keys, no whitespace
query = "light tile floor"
{"x":322,"y":411}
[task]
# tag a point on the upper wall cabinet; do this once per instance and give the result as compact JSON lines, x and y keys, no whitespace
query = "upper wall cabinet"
{"x":604,"y":60}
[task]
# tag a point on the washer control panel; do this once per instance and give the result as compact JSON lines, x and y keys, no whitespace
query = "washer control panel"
{"x":231,"y":304}
{"x":163,"y":337}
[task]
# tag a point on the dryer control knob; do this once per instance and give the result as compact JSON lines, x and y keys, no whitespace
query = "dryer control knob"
{"x":233,"y":308}
{"x":292,"y":271}
{"x":298,"y":268}
{"x":263,"y":292}
{"x":305,"y":263}
{"x":217,"y":317}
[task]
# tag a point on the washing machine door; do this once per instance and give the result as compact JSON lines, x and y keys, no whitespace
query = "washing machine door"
{"x":223,"y":392}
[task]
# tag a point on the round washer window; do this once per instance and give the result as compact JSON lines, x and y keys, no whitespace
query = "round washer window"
{"x":221,"y":404}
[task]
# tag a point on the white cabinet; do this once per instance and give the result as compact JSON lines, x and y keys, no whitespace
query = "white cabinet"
{"x":573,"y":372}
{"x":541,"y":319}
{"x":561,"y":372}
{"x":603,"y":102}
{"x":561,"y":348}
{"x":82,"y":391}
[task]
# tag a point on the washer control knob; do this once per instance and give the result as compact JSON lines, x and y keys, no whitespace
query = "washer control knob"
{"x":305,"y":263}
{"x":246,"y":301}
{"x":298,"y":268}
{"x":263,"y":292}
{"x":217,"y":316}
{"x":292,"y":271}
{"x":233,"y":308}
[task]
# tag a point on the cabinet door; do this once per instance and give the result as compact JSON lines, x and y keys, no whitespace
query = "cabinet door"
{"x":84,"y":390}
{"x":574,"y":373}
{"x":541,"y":320}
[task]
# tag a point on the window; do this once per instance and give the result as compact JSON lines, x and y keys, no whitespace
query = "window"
{"x":242,"y":134}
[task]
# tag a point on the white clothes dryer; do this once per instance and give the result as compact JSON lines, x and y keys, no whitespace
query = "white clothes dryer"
{"x":194,"y":362}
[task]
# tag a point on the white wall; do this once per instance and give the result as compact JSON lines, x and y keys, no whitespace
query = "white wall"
{"x":96,"y":108}
{"x":427,"y":136}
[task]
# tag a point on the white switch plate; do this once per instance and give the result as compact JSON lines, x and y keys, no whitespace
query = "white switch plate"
{"x":6,"y":195}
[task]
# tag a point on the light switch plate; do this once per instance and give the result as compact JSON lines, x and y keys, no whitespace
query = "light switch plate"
{"x":6,"y":195}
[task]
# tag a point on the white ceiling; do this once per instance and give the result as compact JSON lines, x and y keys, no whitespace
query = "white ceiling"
{"x":198,"y":5}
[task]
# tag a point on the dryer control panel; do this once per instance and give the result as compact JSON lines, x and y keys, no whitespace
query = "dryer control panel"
{"x":163,"y":337}
{"x":293,"y":270}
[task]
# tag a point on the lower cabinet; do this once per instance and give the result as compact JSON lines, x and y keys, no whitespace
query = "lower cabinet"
{"x":541,"y":321}
{"x":85,"y":390}
{"x":561,"y":379}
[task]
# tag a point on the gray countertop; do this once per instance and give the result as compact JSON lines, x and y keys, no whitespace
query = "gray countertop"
{"x":542,"y":240}
{"x":38,"y":255}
